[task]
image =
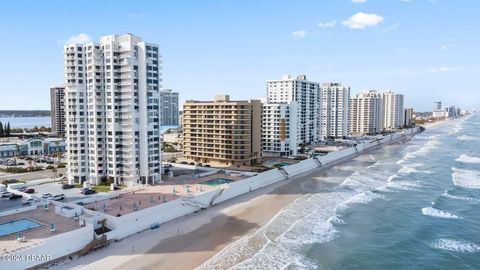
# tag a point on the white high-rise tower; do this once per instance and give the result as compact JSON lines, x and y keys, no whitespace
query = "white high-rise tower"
{"x":307,"y":96}
{"x":366,"y":113}
{"x":112,"y":110}
{"x":334,"y":110}
{"x":393,"y":114}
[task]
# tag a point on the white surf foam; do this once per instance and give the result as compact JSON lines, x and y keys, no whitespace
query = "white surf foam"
{"x":460,"y":198}
{"x":468,"y":159}
{"x":456,"y":246}
{"x":466,"y":178}
{"x":467,"y":138}
{"x":433,"y":212}
{"x":401,"y":185}
{"x":360,"y":198}
{"x":425,"y":149}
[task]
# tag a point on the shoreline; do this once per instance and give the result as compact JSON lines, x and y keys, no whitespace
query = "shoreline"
{"x":176,"y":238}
{"x":202,"y":235}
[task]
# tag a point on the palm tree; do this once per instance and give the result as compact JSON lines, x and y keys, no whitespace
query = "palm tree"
{"x":55,"y":165}
{"x":16,"y":154}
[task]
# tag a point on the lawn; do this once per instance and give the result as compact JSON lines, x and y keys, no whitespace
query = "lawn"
{"x":101,"y":188}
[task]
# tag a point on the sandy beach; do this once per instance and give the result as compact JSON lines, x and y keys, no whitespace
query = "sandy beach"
{"x":188,"y":242}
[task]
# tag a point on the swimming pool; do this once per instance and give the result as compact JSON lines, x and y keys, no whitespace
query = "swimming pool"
{"x":18,"y":226}
{"x":216,"y":182}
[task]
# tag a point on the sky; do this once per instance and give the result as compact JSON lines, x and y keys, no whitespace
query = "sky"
{"x":425,"y":49}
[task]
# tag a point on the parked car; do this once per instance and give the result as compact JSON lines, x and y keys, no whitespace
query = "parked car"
{"x":20,"y":163}
{"x":29,"y":190}
{"x":191,"y":163}
{"x":6,"y":194}
{"x":47,"y":195}
{"x":166,"y":165}
{"x":22,"y":189}
{"x":184,"y":162}
{"x":10,"y":163}
{"x":15,"y":196}
{"x":29,"y":201}
{"x":88,"y":191}
{"x":58,"y":197}
{"x":206,"y":165}
{"x":67,"y":186}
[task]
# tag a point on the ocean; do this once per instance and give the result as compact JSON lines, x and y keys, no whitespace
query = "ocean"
{"x":411,"y":205}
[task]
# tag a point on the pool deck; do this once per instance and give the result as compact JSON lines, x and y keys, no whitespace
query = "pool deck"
{"x":154,"y":195}
{"x":33,"y":237}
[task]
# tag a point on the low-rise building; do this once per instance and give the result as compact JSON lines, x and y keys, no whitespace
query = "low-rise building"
{"x":13,"y":147}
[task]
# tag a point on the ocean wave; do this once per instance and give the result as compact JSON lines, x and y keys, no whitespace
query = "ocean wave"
{"x":456,"y":246}
{"x":425,"y":149}
{"x":411,"y":169}
{"x":446,"y":194}
{"x":468,"y":159}
{"x":397,"y":185}
{"x":309,"y":219}
{"x":360,"y":198}
{"x":466,"y":178}
{"x":433,"y":212}
{"x":467,"y":138}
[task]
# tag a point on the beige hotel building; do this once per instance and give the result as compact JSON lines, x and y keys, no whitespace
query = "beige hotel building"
{"x":222,"y":132}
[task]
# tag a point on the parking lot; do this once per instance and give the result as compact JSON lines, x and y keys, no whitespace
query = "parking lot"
{"x":7,"y":204}
{"x":72,"y":194}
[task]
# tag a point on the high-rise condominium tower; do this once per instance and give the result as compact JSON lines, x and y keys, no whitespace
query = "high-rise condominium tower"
{"x":393,"y":114}
{"x":334,"y":110}
{"x":169,"y":108}
{"x":307,"y":96}
{"x":408,"y":116}
{"x":279,"y":129}
{"x":366,"y":113}
{"x":112,"y":106}
{"x":57,"y":110}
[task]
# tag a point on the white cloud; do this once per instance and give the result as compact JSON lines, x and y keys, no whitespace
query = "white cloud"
{"x":443,"y":47}
{"x":327,"y":24}
{"x":299,"y":33}
{"x":359,"y":1}
{"x":443,"y":69}
{"x":362,"y":20}
{"x":80,"y":38}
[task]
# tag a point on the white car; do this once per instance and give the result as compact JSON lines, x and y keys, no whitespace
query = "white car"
{"x":47,"y":195}
{"x":6,"y":194}
{"x":58,"y":197}
{"x":29,"y":201}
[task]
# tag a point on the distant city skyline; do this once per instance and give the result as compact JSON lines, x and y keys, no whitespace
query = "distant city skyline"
{"x":413,"y":47}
